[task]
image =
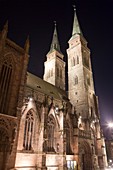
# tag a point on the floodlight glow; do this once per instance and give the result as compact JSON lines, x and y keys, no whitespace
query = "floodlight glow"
{"x":110,"y":124}
{"x":30,"y":99}
{"x":110,"y":160}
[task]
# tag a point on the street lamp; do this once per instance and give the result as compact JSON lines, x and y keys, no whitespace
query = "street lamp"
{"x":110,"y":125}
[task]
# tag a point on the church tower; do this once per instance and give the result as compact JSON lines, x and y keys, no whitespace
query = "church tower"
{"x":82,"y":95}
{"x":54,"y":72}
{"x":80,"y":79}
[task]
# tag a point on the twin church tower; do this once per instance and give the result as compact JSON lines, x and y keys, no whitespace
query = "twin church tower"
{"x":41,"y":127}
{"x":80,"y":78}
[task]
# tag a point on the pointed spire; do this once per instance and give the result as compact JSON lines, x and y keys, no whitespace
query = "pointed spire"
{"x":76,"y":26}
{"x":27,"y":45}
{"x":5,"y":30}
{"x":55,"y":43}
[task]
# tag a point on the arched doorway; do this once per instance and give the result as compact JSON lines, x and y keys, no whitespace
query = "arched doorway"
{"x":85,"y":156}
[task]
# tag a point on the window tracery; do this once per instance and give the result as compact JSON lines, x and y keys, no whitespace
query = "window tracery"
{"x":5,"y":80}
{"x":68,"y":137}
{"x":75,"y":61}
{"x":50,"y":133}
{"x":28,"y":131}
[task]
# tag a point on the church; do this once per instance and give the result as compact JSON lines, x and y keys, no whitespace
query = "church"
{"x":42,"y":126}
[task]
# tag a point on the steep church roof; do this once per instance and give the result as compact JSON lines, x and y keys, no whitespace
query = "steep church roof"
{"x":76,"y":26}
{"x":44,"y":87}
{"x":55,"y":42}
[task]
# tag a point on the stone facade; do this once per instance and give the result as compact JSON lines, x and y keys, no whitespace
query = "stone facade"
{"x":41,"y":127}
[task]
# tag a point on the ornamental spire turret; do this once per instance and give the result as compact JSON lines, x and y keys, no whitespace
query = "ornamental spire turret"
{"x":5,"y":31}
{"x":4,"y":35}
{"x":27,"y":45}
{"x":55,"y":43}
{"x":76,"y":26}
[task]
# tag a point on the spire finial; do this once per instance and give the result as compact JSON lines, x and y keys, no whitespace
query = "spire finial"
{"x":6,"y":25}
{"x":55,"y":23}
{"x":27,"y":45}
{"x":74,"y":7}
{"x":5,"y":30}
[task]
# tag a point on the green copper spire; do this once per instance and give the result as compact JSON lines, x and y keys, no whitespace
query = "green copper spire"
{"x":55,"y":43}
{"x":76,"y":26}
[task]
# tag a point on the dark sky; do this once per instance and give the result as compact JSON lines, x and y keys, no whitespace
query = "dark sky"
{"x":35,"y":18}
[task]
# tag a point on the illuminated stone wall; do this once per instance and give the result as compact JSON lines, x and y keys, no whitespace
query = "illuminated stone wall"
{"x":13,"y":66}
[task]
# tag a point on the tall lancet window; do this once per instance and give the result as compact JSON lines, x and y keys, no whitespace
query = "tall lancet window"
{"x":58,"y":72}
{"x":50,"y":133}
{"x":68,"y":137}
{"x":5,"y":80}
{"x":28,"y":131}
{"x":73,"y":62}
{"x":77,"y":60}
{"x":76,"y":80}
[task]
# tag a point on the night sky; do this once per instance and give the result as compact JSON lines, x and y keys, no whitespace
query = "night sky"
{"x":36,"y":19}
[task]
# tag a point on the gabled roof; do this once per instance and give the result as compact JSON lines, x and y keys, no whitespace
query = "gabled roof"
{"x":44,"y":87}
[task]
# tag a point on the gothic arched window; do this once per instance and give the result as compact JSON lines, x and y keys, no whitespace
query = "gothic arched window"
{"x":74,"y":61}
{"x":88,"y":80}
{"x":51,"y":72}
{"x":91,"y":112}
{"x":58,"y":72}
{"x":76,"y":80}
{"x":77,"y":60}
{"x":68,"y":138}
{"x":50,"y":133}
{"x":5,"y":79}
{"x":28,"y":131}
